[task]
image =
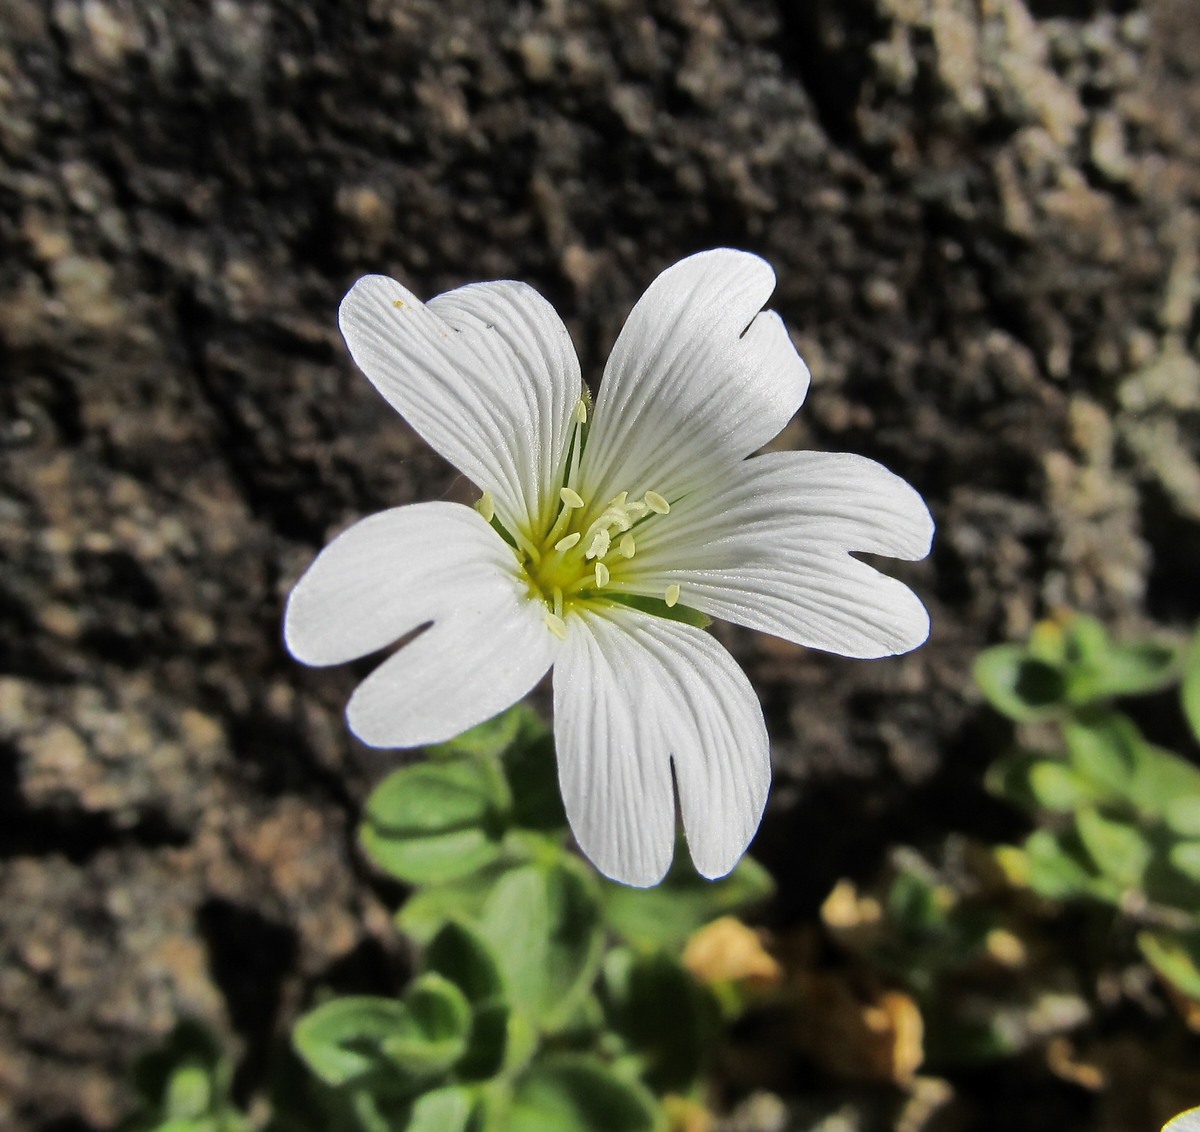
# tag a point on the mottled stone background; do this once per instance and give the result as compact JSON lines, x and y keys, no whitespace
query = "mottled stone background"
{"x":985,"y":217}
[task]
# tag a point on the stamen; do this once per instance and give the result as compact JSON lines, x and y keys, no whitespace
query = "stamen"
{"x":656,"y":503}
{"x":558,"y":601}
{"x":486,"y":506}
{"x":672,"y":594}
{"x":599,"y":544}
{"x":570,"y":497}
{"x":581,"y":411}
{"x":556,"y":625}
{"x":626,"y":547}
{"x":602,"y":575}
{"x":565,"y":544}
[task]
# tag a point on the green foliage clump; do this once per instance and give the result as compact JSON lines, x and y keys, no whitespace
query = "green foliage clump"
{"x":185,"y":1087}
{"x":1118,"y":816}
{"x":546,"y":997}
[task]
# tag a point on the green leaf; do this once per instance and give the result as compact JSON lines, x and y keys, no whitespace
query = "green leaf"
{"x":1058,"y":867}
{"x":185,"y":1084}
{"x":1102,"y":751}
{"x":1185,"y":856}
{"x":1038,"y":782}
{"x":532,"y":769}
{"x":428,"y":909}
{"x":1176,"y":957}
{"x":490,"y":739}
{"x":436,"y":821}
{"x":1018,"y":684}
{"x":1119,"y":850}
{"x":340,"y":1040}
{"x":579,"y":1094}
{"x":1163,"y":780}
{"x":1085,"y":641}
{"x":666,"y":916}
{"x":189,"y":1093}
{"x":432,"y":859}
{"x":663,"y":1014}
{"x":394,"y":1043}
{"x":435,"y":1029}
{"x":459,"y":954}
{"x":1128,"y":670}
{"x":542,"y":923}
{"x":1189,"y":689}
{"x":442,"y":1110}
{"x":1182,"y":815}
{"x":1124,"y":769}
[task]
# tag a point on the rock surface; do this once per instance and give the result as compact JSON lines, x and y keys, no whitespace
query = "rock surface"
{"x":985,"y":218}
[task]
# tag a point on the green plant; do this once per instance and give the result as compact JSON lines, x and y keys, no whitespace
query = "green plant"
{"x":546,"y":996}
{"x":185,"y":1086}
{"x":1118,"y":816}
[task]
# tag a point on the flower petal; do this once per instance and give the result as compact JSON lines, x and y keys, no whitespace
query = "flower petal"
{"x":485,"y":373}
{"x":698,"y":378}
{"x":393,"y":572}
{"x":634,"y":695}
{"x":769,"y":549}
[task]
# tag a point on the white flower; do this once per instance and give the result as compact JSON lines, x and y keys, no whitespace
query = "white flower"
{"x":599,"y":533}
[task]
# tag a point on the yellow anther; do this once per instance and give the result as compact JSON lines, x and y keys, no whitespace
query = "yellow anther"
{"x":556,"y":625}
{"x":656,"y":503}
{"x":599,"y":545}
{"x":565,"y":544}
{"x":570,"y":497}
{"x":672,"y":594}
{"x":602,"y":575}
{"x":398,"y":304}
{"x":486,"y":506}
{"x":581,"y":411}
{"x":626,"y":547}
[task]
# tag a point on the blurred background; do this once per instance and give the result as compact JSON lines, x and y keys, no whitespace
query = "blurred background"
{"x":985,"y":219}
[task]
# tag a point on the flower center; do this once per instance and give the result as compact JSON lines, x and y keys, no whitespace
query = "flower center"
{"x":586,"y":550}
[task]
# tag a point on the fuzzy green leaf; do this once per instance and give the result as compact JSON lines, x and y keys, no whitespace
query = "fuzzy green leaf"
{"x":442,"y":1110}
{"x":436,"y":821}
{"x":1176,"y":957}
{"x":663,"y":1014}
{"x":1059,"y":867}
{"x":575,"y":1093}
{"x":667,"y":915}
{"x":1020,"y":685}
{"x":491,"y":738}
{"x":542,"y":924}
{"x":339,"y":1040}
{"x":1119,"y":850}
{"x":1190,"y":687}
